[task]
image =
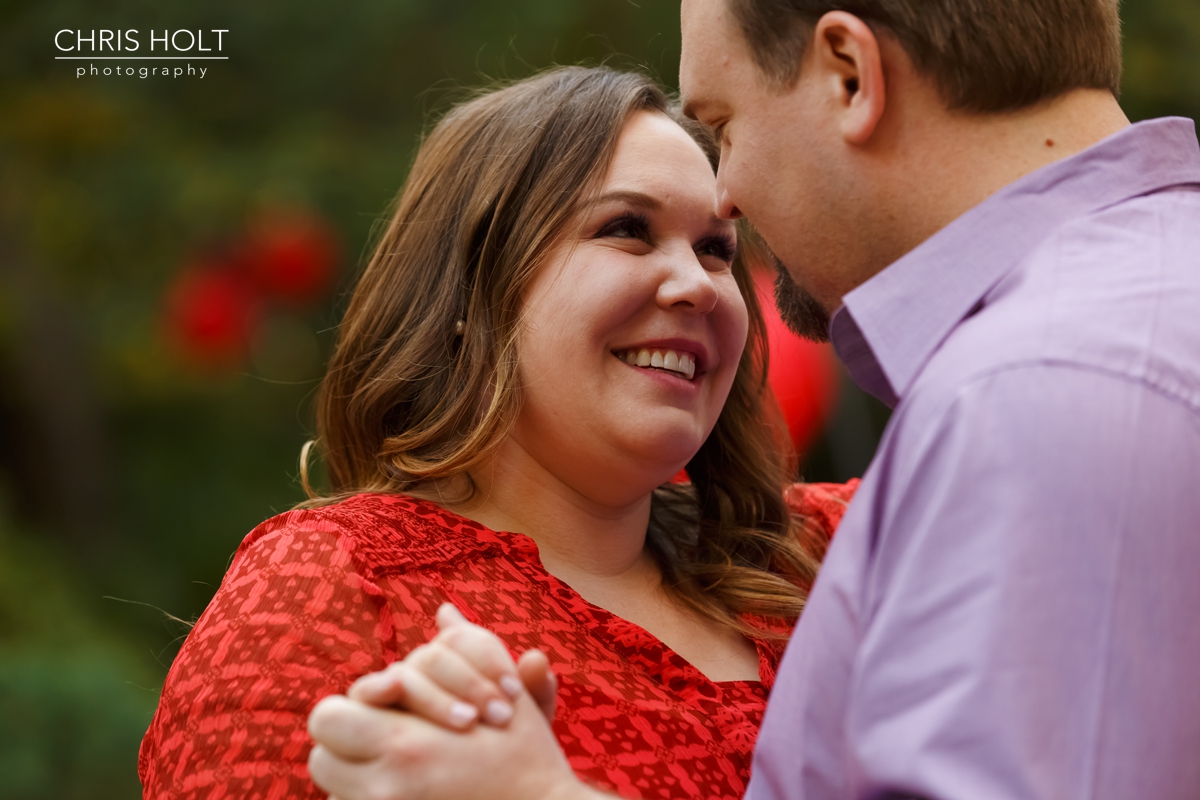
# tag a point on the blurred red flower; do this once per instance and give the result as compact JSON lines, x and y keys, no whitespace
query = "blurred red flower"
{"x":214,"y":307}
{"x":291,"y":258}
{"x":211,"y":313}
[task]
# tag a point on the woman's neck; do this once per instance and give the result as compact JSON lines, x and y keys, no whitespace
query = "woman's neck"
{"x":580,"y":539}
{"x":599,"y":550}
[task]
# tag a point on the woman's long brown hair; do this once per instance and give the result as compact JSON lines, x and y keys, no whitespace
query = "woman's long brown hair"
{"x":411,"y":405}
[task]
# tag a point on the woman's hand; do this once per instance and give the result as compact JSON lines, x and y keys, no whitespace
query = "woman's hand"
{"x":369,"y":753}
{"x":463,"y":674}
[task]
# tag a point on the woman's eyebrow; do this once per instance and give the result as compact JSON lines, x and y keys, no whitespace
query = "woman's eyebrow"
{"x":638,"y":199}
{"x":643,"y":200}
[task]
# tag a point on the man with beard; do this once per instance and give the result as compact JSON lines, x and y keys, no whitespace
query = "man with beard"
{"x":957,"y":201}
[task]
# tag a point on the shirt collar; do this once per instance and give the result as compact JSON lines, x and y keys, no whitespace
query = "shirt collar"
{"x":888,"y":327}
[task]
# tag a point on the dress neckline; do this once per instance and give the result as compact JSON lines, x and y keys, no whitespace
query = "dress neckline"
{"x":627,"y":638}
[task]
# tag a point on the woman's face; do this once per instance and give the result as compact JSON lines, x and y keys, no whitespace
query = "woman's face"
{"x":633,"y":331}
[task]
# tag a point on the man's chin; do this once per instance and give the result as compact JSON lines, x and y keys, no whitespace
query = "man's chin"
{"x":798,"y":309}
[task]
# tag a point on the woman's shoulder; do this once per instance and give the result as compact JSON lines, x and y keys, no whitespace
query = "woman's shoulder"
{"x":378,"y":531}
{"x":821,"y":504}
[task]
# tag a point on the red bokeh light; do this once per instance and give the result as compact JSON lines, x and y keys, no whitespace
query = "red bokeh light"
{"x":211,"y":313}
{"x":291,"y":258}
{"x":802,"y":374}
{"x":213,"y":307}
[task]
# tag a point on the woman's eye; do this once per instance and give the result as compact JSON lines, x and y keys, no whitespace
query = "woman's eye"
{"x":628,"y":226}
{"x":720,"y":247}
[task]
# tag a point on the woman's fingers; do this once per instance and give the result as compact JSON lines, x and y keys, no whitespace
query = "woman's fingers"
{"x":539,"y":679}
{"x":420,"y":694}
{"x":418,"y":760}
{"x":479,"y":647}
{"x":383,"y":688}
{"x":459,"y":677}
{"x":464,"y":674}
{"x":439,"y":684}
{"x":448,"y":614}
{"x":484,"y":650}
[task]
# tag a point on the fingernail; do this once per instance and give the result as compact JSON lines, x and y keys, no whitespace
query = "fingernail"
{"x":498,"y":712}
{"x":511,"y":684}
{"x":461,"y":714}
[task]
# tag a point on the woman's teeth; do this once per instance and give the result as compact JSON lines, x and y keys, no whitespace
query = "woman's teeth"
{"x":671,"y":360}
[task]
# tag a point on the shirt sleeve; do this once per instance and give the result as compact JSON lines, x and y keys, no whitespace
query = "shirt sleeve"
{"x":1028,"y":625}
{"x":294,"y":620}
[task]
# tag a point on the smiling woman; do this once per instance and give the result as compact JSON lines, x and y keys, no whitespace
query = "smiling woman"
{"x":554,"y":323}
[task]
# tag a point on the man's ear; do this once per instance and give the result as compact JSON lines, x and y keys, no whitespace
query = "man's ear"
{"x":846,"y":56}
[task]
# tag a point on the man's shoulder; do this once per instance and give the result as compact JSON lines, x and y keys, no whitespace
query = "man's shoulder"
{"x":1115,"y":292}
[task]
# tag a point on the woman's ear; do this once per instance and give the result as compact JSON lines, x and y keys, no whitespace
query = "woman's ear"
{"x":846,"y":56}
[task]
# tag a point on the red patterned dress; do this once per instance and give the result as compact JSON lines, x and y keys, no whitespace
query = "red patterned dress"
{"x":316,"y":598}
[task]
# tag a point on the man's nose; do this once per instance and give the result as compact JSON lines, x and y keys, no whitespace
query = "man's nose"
{"x":726,"y":208}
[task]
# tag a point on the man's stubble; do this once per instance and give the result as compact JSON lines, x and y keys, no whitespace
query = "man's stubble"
{"x":799,"y":310}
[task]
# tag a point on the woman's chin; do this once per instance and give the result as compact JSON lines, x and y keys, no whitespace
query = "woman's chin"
{"x":667,"y":458}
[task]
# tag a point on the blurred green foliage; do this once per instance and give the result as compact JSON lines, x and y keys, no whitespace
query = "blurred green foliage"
{"x":75,"y":694}
{"x":127,"y":472}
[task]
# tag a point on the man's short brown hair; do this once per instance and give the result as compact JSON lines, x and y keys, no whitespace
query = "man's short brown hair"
{"x":985,"y":55}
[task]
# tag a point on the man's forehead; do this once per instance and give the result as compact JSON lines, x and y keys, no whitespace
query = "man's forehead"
{"x":705,"y":53}
{"x":701,"y":13}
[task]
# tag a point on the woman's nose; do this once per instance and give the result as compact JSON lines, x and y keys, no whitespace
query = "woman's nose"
{"x":687,"y":284}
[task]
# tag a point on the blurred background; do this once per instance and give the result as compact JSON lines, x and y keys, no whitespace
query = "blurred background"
{"x":174,"y":253}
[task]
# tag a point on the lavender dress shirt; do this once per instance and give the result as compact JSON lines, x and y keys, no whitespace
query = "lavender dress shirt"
{"x":1011,"y":608}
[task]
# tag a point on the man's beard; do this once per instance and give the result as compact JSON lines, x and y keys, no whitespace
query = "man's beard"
{"x":799,"y":310}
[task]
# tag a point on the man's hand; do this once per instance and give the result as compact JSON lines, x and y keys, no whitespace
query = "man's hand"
{"x":369,"y":753}
{"x":463,"y":674}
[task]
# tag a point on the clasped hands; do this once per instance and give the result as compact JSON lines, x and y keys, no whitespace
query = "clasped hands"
{"x":457,"y":718}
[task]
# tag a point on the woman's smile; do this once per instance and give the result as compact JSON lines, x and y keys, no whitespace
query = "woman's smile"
{"x":681,"y":364}
{"x":682,"y":359}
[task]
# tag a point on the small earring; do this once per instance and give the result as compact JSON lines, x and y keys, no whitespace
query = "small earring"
{"x":460,"y":327}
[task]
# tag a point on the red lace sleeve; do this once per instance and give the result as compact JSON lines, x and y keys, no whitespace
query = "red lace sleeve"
{"x":293,"y":621}
{"x":821,"y":506}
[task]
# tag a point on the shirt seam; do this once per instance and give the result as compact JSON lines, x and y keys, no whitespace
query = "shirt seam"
{"x":1192,"y":405}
